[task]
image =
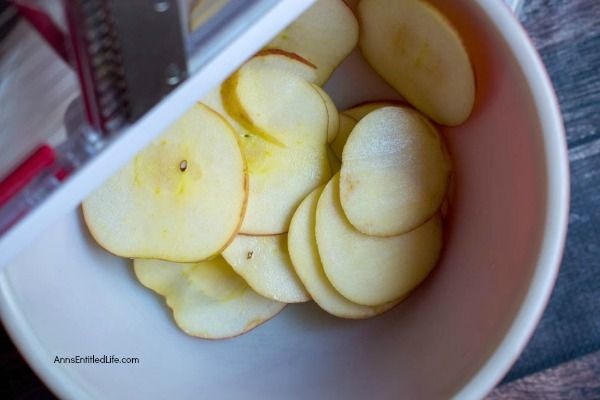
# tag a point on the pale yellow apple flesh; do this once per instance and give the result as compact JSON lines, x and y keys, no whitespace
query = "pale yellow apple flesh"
{"x":208,"y":299}
{"x":214,"y":101}
{"x":358,"y":112}
{"x":264,"y":263}
{"x":350,"y":117}
{"x":372,"y":270}
{"x":265,"y":59}
{"x":395,"y":172}
{"x":292,"y":62}
{"x":181,"y":199}
{"x":414,"y":48}
{"x":302,"y":245}
{"x":279,"y":180}
{"x":333,"y":117}
{"x":284,"y":170}
{"x":347,"y":123}
{"x":273,"y":196}
{"x":348,"y":120}
{"x":324,"y":35}
{"x":276,"y":104}
{"x":334,"y":162}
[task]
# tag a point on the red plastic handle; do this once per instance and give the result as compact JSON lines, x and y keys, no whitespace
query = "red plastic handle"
{"x":45,"y":26}
{"x":17,"y":179}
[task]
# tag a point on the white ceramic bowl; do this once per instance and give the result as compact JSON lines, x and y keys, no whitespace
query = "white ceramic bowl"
{"x":456,"y":336}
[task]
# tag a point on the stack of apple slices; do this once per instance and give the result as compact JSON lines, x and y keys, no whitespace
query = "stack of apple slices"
{"x":263,"y":194}
{"x":373,"y":233}
{"x":208,"y":298}
{"x":224,"y":181}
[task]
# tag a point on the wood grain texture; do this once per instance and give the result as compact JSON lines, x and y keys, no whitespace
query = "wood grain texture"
{"x":577,"y":379}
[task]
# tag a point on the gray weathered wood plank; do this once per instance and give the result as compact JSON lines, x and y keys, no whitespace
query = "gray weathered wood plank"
{"x":577,"y":379}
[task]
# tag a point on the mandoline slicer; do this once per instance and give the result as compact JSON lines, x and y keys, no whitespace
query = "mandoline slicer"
{"x":85,"y":84}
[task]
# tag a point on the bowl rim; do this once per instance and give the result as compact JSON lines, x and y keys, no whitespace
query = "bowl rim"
{"x":62,"y":384}
{"x":557,"y":203}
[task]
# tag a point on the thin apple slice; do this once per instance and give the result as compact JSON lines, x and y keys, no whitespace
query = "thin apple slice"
{"x":273,"y":196}
{"x":333,"y":117}
{"x":279,"y":179}
{"x":348,"y":120}
{"x":350,"y":117}
{"x":347,"y":123}
{"x":359,"y":111}
{"x":276,"y":105}
{"x":214,"y":101}
{"x":264,"y":263}
{"x":395,"y":172}
{"x":208,"y":299}
{"x":417,"y":51}
{"x":292,"y":62}
{"x":269,"y":102}
{"x":324,"y":35}
{"x":181,"y":199}
{"x":372,"y":270}
{"x":302,"y":245}
{"x":267,"y":60}
{"x":334,"y":162}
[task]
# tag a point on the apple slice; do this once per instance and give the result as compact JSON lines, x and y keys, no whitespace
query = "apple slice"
{"x":208,"y":299}
{"x":334,"y":162}
{"x":359,"y":111}
{"x":395,"y":172}
{"x":333,"y":117}
{"x":270,"y":102}
{"x":292,"y":62}
{"x":181,"y":199}
{"x":372,"y":270}
{"x":266,"y":59}
{"x":276,"y":105}
{"x":347,"y":123}
{"x":324,"y":35}
{"x":214,"y":101}
{"x":304,"y":254}
{"x":273,"y":196}
{"x":417,"y":51}
{"x":279,"y":179}
{"x":348,"y":120}
{"x":264,"y":263}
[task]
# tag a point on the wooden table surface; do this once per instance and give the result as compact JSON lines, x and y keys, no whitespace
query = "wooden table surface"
{"x":562,"y":361}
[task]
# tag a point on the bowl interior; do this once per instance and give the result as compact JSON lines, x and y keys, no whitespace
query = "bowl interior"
{"x":66,"y":297}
